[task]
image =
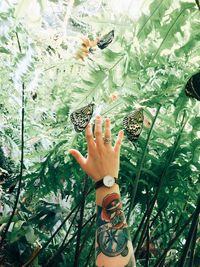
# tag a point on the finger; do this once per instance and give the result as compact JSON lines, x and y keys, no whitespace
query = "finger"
{"x":89,"y":138}
{"x":79,"y":158}
{"x":98,"y":131}
{"x":119,"y":142}
{"x":107,"y":132}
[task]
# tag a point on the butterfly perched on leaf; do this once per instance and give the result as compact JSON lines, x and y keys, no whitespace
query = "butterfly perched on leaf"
{"x":88,"y":46}
{"x":81,"y":117}
{"x":133,"y":124}
{"x":106,"y":40}
{"x":192,"y":88}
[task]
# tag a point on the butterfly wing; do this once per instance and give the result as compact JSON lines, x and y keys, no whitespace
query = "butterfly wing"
{"x":106,"y":40}
{"x":133,"y":124}
{"x":81,"y":117}
{"x":192,"y":88}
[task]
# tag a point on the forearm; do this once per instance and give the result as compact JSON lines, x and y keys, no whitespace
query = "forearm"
{"x":113,"y":243}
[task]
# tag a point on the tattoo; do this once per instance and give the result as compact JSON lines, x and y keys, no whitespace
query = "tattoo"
{"x":112,"y":232}
{"x":131,"y":262}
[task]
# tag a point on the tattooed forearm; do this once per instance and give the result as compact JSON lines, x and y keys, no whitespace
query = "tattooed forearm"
{"x":112,"y":232}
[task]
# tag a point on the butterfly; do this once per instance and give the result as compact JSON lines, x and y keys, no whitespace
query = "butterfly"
{"x":105,"y":40}
{"x":192,"y":88}
{"x":133,"y":124}
{"x":81,"y":117}
{"x":198,"y":3}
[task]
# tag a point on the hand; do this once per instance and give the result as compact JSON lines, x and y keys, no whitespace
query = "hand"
{"x":102,"y":159}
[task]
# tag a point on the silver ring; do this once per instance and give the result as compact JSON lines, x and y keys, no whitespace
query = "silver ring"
{"x":107,"y":140}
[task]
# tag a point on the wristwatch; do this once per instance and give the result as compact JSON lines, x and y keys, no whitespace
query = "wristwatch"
{"x":107,"y":181}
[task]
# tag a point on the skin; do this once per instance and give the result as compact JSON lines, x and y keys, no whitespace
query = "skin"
{"x":102,"y":159}
{"x":112,"y":235}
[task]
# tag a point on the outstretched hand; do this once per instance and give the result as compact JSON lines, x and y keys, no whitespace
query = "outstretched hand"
{"x":102,"y":158}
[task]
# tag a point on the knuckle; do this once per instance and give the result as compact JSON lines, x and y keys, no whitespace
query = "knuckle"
{"x":98,"y":133}
{"x":89,"y":136}
{"x":119,"y":142}
{"x":107,"y":129}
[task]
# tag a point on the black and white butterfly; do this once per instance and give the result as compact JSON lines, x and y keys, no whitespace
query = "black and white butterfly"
{"x":192,"y":88}
{"x":106,"y":40}
{"x":81,"y":117}
{"x":133,"y":124}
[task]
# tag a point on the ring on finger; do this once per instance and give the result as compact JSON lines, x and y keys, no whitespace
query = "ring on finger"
{"x":107,"y":140}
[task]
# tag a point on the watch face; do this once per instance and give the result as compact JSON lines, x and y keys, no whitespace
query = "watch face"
{"x":108,"y":181}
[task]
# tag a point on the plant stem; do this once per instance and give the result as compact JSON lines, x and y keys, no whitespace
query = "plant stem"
{"x":22,"y":156}
{"x":90,"y":252}
{"x":143,"y":220}
{"x":192,"y":252}
{"x":139,"y":228}
{"x":49,"y":263}
{"x":158,"y":213}
{"x":166,"y":231}
{"x":172,"y":241}
{"x":135,"y":184}
{"x":77,"y":253}
{"x":153,"y":201}
{"x":52,"y":259}
{"x":161,"y":180}
{"x":87,"y":234}
{"x":147,"y":233}
{"x":190,"y":234}
{"x":179,"y":219}
{"x":51,"y":238}
{"x":142,"y":237}
{"x":58,"y":229}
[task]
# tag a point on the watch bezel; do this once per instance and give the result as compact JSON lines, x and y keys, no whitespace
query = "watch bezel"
{"x":105,"y":181}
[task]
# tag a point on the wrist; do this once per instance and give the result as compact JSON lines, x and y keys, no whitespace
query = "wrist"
{"x":101,"y":176}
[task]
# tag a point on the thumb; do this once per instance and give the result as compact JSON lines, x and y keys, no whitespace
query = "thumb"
{"x":77,"y":155}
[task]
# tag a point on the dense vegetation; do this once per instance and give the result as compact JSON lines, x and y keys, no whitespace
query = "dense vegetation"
{"x":43,"y":79}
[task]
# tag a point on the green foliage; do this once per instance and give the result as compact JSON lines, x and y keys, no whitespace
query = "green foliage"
{"x":147,"y":65}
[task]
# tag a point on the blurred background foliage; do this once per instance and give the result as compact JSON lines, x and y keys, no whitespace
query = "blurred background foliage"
{"x":154,"y":53}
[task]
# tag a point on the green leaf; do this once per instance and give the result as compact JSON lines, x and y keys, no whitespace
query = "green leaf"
{"x":4,"y":50}
{"x":30,"y":235}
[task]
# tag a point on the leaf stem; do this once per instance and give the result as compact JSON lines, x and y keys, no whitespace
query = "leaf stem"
{"x":143,"y":26}
{"x":170,"y":28}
